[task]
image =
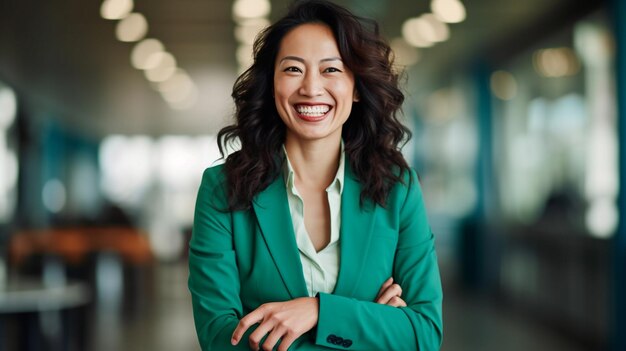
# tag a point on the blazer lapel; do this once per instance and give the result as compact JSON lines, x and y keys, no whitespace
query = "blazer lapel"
{"x":272,"y":211}
{"x":356,"y":233}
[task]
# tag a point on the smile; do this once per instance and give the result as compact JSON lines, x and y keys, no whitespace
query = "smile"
{"x":312,"y":112}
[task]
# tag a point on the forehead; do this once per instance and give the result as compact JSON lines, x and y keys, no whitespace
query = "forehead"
{"x":310,"y":40}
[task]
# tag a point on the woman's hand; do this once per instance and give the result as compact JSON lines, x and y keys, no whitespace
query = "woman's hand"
{"x":389,"y":294}
{"x":286,"y":321}
{"x":280,"y":321}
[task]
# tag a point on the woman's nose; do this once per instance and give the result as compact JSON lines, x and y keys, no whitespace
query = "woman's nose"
{"x":312,"y":85}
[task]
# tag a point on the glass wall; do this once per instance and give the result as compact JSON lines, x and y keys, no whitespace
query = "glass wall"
{"x":555,"y":160}
{"x":444,"y":151}
{"x":157,"y":181}
{"x":556,"y":142}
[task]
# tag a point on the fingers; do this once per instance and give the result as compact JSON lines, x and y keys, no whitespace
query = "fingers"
{"x":387,"y":295}
{"x":279,"y":323}
{"x":287,"y":341}
{"x":254,"y":340}
{"x":271,"y":339}
{"x":396,"y":302}
{"x":281,"y":334}
{"x":245,"y":323}
{"x":384,"y":287}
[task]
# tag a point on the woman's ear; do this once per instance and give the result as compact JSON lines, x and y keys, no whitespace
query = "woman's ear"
{"x":355,"y":97}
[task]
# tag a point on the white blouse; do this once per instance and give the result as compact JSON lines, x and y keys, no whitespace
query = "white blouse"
{"x":321,"y":268}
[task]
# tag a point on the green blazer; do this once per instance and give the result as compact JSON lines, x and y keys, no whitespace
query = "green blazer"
{"x":242,"y":259}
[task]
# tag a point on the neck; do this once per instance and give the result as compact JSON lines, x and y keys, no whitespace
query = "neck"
{"x":314,"y":163}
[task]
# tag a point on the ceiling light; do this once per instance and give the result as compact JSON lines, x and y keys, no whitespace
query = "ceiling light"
{"x":426,"y":29}
{"x":156,"y":59}
{"x":450,"y":11}
{"x":179,"y":91}
{"x":180,"y":94}
{"x":503,"y":85}
{"x":244,"y":55}
{"x":132,"y":28}
{"x":412,"y":31}
{"x":245,"y":9}
{"x":115,"y":9}
{"x":183,"y":96}
{"x":143,"y":50}
{"x":179,"y":80}
{"x":160,"y":74}
{"x":405,"y":54}
{"x":440,"y":31}
{"x":556,"y":62}
{"x":165,"y":68}
{"x":247,"y":30}
{"x":187,"y":102}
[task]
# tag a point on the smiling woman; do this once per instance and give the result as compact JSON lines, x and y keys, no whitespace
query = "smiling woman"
{"x":314,"y":235}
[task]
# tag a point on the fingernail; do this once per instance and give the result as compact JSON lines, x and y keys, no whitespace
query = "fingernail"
{"x":233,"y":341}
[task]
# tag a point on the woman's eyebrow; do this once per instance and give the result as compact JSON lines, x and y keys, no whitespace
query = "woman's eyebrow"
{"x":294,"y":58}
{"x":331,"y":59}
{"x":299,"y":59}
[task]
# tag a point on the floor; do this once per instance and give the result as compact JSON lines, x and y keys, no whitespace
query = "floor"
{"x":167,"y":324}
{"x":475,"y":324}
{"x":163,"y":323}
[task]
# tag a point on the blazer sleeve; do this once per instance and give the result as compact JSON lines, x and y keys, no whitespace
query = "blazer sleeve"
{"x":349,"y":324}
{"x":213,"y":274}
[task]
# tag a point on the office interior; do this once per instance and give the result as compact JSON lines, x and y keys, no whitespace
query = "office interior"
{"x":109,"y":112}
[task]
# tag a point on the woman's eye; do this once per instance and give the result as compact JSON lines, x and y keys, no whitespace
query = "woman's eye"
{"x":332,"y":70}
{"x":292,"y":69}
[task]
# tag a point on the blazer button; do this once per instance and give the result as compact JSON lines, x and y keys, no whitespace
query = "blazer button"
{"x":332,"y":339}
{"x":347,"y":343}
{"x":339,"y":340}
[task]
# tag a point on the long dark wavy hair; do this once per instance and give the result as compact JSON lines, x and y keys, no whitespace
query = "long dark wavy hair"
{"x":372,"y":135}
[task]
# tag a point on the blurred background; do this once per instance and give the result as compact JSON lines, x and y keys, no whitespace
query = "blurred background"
{"x":109,"y":111}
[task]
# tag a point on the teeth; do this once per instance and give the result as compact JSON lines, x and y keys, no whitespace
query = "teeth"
{"x":317,"y":110}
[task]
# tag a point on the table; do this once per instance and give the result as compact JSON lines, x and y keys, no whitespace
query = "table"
{"x":36,"y":316}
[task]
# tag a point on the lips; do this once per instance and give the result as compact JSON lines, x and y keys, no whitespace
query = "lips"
{"x":312,"y":113}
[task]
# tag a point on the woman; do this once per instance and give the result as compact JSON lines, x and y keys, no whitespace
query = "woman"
{"x":314,"y":234}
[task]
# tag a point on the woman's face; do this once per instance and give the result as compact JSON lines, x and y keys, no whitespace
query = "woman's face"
{"x":313,"y":89}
